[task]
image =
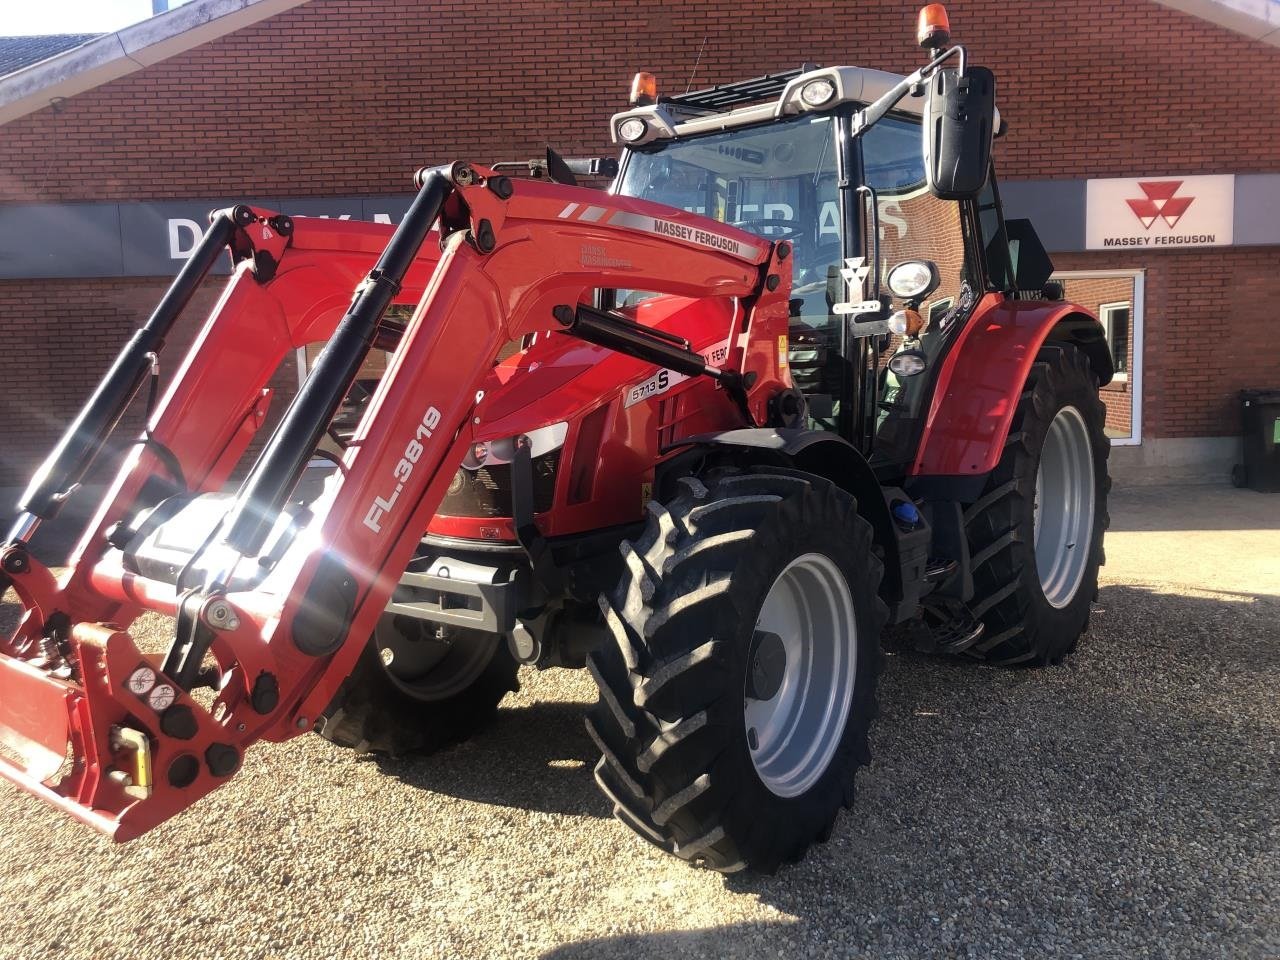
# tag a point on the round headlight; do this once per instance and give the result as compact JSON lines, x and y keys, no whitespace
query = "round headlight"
{"x":817,"y":92}
{"x":908,"y":363}
{"x":898,"y":323}
{"x":912,"y":279}
{"x":632,"y":129}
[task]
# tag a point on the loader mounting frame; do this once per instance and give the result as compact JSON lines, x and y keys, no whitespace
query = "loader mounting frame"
{"x":283,"y":602}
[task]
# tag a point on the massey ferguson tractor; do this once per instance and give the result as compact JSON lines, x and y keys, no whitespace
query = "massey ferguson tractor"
{"x":792,"y":379}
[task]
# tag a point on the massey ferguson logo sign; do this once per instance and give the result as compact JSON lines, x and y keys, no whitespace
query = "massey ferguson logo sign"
{"x":1159,"y":213}
{"x":1160,"y":202}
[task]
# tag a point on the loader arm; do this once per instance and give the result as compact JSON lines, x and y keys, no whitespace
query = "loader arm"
{"x":283,"y":600}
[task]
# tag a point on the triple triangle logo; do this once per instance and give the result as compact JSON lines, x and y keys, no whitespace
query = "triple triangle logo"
{"x":1160,"y":202}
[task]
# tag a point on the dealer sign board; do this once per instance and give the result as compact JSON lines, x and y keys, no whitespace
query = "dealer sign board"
{"x":1159,"y":213}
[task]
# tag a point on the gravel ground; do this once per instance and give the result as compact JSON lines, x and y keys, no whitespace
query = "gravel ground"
{"x":1123,"y":805}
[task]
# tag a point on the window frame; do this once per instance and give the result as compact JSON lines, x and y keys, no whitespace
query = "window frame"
{"x":1137,"y":338}
{"x":1104,"y":317}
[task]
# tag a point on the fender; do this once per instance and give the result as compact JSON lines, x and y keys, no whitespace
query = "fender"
{"x":826,"y":455}
{"x":983,"y":374}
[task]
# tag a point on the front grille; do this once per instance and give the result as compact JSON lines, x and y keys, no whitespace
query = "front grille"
{"x":487,"y":492}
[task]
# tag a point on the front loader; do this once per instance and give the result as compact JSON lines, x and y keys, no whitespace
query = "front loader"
{"x":783,"y":384}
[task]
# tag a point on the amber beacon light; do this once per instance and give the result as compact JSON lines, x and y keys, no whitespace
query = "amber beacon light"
{"x":644,"y":90}
{"x":934,"y":29}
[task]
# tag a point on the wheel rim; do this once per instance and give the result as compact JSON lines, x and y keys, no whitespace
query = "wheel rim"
{"x":796,"y":709}
{"x":1063,"y":507}
{"x":428,"y":667}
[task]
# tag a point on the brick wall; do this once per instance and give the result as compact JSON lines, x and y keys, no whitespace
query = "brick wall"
{"x":350,"y":96}
{"x":59,"y":339}
{"x":1208,"y":321}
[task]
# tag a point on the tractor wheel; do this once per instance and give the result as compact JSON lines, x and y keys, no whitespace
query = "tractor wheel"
{"x":1035,"y":534}
{"x":411,"y":692}
{"x":736,"y":695}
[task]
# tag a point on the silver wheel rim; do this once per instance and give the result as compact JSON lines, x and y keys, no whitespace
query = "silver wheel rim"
{"x":428,"y":669}
{"x":1063,"y":507}
{"x":793,"y":734}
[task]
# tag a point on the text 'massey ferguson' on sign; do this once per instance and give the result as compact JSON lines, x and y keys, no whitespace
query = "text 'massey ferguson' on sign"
{"x":1159,"y":213}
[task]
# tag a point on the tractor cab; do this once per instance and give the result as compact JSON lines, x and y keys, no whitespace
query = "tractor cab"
{"x":888,"y":263}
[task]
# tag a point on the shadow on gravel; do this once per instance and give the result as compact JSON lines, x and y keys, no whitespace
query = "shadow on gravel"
{"x":537,"y":757}
{"x":1121,"y":803}
{"x":740,"y":939}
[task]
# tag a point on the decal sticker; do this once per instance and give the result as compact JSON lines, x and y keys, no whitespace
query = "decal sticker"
{"x":685,"y":232}
{"x":665,"y":379}
{"x":141,"y":681}
{"x":161,"y":698}
{"x":593,"y":255}
{"x":655,"y":386}
{"x":403,"y":469}
{"x":783,"y":350}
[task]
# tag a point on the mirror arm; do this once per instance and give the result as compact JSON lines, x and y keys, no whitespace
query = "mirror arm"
{"x":874,"y":113}
{"x":936,"y":62}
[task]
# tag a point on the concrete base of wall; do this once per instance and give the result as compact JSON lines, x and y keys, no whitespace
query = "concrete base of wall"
{"x":1176,"y":460}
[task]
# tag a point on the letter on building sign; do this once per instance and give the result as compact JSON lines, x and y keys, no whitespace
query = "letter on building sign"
{"x":177,"y":249}
{"x":891,"y":216}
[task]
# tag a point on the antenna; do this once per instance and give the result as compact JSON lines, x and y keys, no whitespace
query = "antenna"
{"x":697,"y":61}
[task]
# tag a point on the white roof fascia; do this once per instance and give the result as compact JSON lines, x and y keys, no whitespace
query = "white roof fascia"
{"x":118,"y":54}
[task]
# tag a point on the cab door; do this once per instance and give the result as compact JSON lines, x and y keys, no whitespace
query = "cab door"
{"x":914,"y":225}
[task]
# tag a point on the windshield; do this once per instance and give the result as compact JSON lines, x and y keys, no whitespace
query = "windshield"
{"x":778,"y":181}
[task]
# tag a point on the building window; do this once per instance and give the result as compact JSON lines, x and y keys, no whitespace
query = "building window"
{"x":1115,"y":318}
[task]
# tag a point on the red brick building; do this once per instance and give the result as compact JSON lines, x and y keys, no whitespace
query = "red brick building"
{"x":332,"y":104}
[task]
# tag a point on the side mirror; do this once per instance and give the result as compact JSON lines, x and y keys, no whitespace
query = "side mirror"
{"x":958,"y":119}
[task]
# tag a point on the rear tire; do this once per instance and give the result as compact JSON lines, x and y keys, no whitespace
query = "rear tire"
{"x":377,"y":711}
{"x":702,"y":754}
{"x":1034,"y":578}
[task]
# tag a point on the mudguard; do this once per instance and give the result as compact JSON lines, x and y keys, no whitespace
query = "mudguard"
{"x":983,"y":374}
{"x":824,"y":454}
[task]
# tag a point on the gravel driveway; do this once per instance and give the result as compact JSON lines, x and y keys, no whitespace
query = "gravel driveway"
{"x":1124,"y":805}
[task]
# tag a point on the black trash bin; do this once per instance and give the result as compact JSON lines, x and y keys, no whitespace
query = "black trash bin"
{"x":1260,"y":412}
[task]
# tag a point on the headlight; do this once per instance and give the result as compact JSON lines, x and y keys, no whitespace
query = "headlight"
{"x":632,"y":129}
{"x":912,"y":279}
{"x":482,"y":487}
{"x":817,"y":92}
{"x":908,"y":363}
{"x":488,"y":453}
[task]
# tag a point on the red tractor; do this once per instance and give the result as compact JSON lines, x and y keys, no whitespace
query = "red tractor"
{"x":792,"y":379}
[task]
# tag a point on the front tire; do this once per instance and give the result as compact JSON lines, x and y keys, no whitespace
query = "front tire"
{"x":407,"y":694}
{"x":736,"y":697}
{"x":1035,"y":535}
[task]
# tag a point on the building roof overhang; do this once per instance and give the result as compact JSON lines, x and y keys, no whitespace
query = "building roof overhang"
{"x":114,"y":55}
